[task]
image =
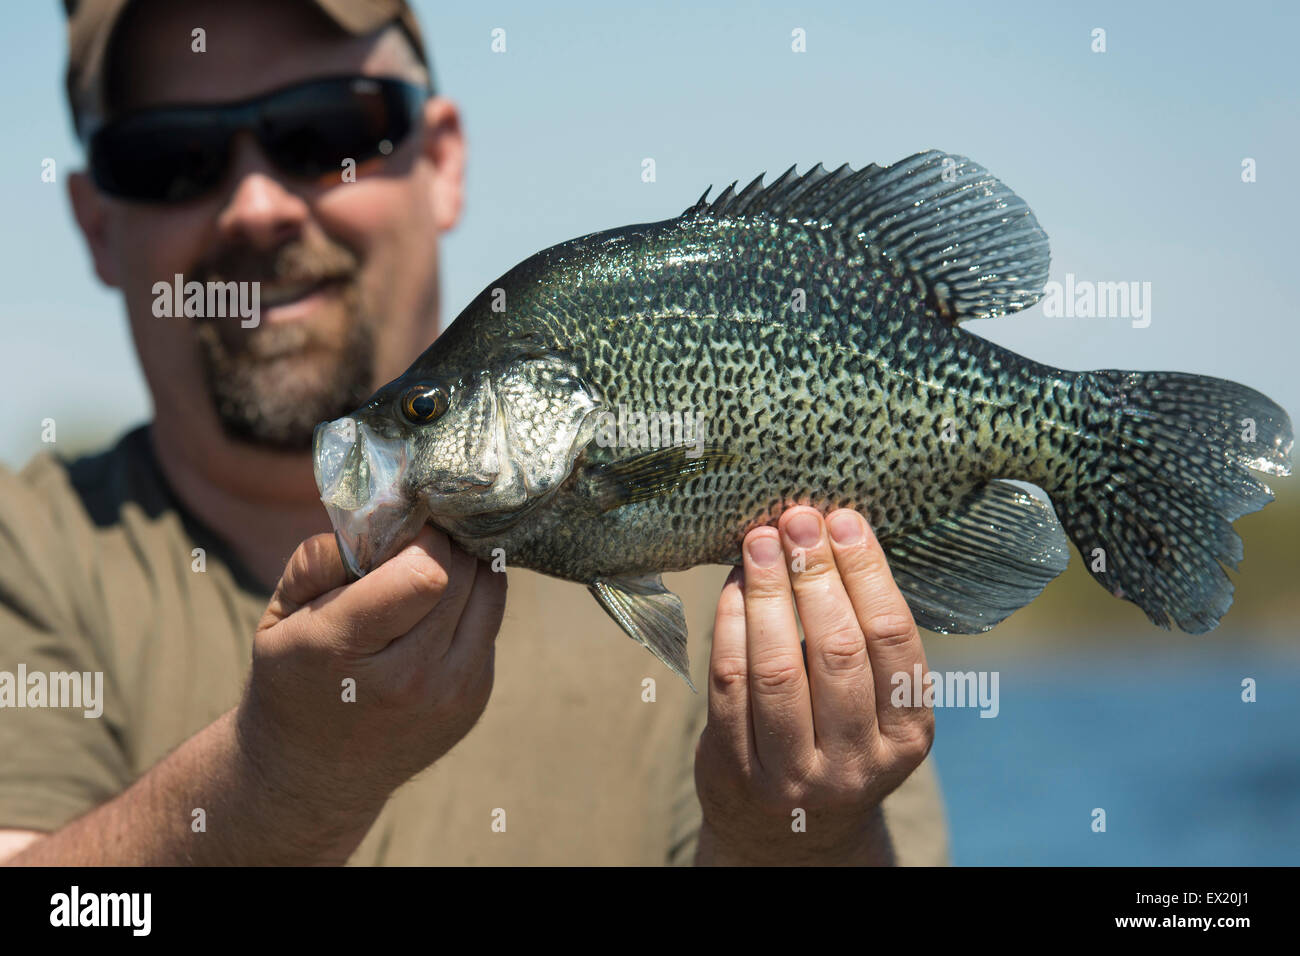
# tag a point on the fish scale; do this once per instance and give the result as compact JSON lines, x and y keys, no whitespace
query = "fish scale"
{"x":744,"y":330}
{"x":849,"y":401}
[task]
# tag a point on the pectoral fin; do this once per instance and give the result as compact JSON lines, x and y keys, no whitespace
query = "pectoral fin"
{"x":651,"y":615}
{"x":652,"y":474}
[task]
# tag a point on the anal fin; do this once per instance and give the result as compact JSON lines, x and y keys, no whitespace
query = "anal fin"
{"x":990,"y":556}
{"x":651,"y":615}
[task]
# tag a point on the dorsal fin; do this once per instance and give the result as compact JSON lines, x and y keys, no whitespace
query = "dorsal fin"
{"x":974,"y":244}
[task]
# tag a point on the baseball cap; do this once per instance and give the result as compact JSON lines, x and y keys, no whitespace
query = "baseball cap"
{"x":91,"y":25}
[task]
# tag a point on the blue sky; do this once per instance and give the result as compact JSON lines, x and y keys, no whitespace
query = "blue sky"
{"x":1131,"y":160}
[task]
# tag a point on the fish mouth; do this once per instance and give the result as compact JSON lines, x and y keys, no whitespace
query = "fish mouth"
{"x":360,"y":475}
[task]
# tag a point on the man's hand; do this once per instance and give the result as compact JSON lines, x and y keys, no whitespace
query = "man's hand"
{"x":822,"y":736}
{"x":416,"y":636}
{"x":295,"y":774}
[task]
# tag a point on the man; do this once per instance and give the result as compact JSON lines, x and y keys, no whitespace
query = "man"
{"x":349,"y":738}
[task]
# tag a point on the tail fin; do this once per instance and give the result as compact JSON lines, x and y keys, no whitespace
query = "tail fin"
{"x":1168,"y":478}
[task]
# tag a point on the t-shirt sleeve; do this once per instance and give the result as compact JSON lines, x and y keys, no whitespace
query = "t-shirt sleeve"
{"x":914,"y":814}
{"x":56,"y":762}
{"x":687,"y":815}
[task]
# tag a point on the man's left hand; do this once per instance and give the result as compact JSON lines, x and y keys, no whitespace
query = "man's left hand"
{"x":798,"y":755}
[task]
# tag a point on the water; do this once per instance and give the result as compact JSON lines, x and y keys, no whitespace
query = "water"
{"x":1186,"y":772}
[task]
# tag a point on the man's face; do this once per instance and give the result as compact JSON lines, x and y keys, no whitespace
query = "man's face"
{"x":347,"y":270}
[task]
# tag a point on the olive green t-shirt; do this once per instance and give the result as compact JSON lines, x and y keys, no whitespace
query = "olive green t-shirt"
{"x":99,"y":572}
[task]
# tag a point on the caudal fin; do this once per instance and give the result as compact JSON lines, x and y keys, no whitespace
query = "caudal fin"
{"x":1167,"y":473}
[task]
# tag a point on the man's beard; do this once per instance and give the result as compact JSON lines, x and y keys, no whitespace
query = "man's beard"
{"x":271,"y":385}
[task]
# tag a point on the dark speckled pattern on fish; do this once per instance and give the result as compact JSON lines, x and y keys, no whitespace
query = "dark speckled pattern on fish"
{"x":841,"y":405}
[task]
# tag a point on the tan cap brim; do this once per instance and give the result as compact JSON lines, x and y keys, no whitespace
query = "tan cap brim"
{"x":91,"y":25}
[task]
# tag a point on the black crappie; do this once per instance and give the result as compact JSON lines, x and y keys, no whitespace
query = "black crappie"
{"x":799,"y":343}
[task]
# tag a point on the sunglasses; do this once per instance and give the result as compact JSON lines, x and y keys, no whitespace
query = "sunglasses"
{"x":175,"y":153}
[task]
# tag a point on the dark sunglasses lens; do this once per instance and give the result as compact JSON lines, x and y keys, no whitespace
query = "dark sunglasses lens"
{"x":165,"y":157}
{"x":312,"y":130}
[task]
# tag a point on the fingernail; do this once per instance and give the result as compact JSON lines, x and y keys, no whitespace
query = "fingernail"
{"x":846,"y":527}
{"x":765,"y":551}
{"x":804,"y":529}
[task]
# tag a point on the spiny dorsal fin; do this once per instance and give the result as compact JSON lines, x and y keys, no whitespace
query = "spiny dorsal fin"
{"x":973,"y":243}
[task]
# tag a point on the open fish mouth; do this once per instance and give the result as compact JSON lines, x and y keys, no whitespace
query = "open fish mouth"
{"x":360,"y":475}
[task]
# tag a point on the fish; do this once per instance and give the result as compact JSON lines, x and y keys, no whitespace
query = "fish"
{"x":636,"y":400}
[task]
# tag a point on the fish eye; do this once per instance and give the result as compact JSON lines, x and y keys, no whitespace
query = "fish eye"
{"x":424,"y":403}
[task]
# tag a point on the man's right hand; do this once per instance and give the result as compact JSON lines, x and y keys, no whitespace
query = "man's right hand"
{"x":297,"y":773}
{"x":416,"y":636}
